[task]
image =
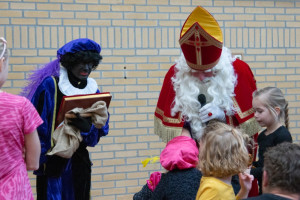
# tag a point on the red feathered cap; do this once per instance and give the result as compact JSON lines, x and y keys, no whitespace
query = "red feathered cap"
{"x":201,"y":40}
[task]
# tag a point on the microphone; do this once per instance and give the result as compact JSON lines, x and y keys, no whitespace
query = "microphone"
{"x":202,"y":99}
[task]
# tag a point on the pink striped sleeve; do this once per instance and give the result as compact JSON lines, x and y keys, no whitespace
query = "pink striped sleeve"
{"x":31,"y":118}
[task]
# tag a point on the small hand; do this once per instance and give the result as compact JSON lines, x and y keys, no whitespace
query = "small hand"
{"x":82,"y":123}
{"x":211,"y":111}
{"x":246,"y":181}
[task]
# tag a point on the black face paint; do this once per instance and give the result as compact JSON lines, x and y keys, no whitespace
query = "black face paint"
{"x":82,"y":70}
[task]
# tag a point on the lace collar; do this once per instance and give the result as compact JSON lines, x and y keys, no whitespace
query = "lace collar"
{"x":68,"y":89}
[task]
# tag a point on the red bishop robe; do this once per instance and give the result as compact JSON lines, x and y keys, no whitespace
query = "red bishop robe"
{"x":168,"y":127}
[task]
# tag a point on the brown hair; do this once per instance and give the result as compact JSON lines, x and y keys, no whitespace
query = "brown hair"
{"x":223,"y":150}
{"x":282,"y":165}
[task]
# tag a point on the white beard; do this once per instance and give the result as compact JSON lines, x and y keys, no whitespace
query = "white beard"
{"x":218,"y":90}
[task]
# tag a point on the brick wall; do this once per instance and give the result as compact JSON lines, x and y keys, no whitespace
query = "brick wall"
{"x":139,"y":39}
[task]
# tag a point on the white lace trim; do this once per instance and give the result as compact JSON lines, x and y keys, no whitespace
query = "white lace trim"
{"x":68,"y":89}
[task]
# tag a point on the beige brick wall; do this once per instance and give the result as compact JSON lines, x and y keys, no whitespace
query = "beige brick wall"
{"x":139,"y":39}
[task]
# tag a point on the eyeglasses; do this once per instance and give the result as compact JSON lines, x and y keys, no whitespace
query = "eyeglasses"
{"x":4,"y":48}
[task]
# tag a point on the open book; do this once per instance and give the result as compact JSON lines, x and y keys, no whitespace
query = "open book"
{"x":80,"y":101}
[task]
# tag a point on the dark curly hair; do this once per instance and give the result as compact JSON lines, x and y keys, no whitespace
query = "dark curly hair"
{"x":282,"y":164}
{"x":69,"y":60}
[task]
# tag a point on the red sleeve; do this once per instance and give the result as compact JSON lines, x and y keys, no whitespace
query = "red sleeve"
{"x":165,"y":102}
{"x":246,"y":85}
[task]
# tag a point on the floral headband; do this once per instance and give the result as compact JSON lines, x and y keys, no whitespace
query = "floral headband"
{"x":4,"y":44}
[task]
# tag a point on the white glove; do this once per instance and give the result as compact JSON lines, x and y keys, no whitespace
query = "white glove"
{"x":211,"y":111}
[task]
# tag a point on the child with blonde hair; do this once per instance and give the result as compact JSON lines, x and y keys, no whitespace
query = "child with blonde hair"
{"x":270,"y":110}
{"x":223,"y":153}
{"x":19,"y":142}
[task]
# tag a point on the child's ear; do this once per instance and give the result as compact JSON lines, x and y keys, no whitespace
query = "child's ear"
{"x":277,"y":109}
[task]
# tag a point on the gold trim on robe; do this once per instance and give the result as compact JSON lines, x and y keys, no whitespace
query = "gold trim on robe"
{"x":166,"y":133}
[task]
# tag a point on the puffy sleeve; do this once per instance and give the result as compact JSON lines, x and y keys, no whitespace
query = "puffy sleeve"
{"x":45,"y":102}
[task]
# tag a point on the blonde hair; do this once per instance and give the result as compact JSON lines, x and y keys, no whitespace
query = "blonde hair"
{"x":272,"y":97}
{"x":223,"y":150}
{"x":3,"y":48}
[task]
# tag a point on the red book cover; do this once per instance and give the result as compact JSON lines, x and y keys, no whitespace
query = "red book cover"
{"x":80,"y":101}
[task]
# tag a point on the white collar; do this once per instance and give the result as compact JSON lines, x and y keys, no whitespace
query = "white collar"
{"x":68,"y":89}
